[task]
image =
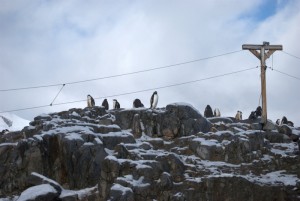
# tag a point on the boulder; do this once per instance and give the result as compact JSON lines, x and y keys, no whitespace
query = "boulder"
{"x":174,"y":121}
{"x":43,"y":192}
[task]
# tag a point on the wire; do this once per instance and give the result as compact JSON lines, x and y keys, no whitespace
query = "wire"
{"x":34,"y":87}
{"x":57,"y":94}
{"x":134,"y":92}
{"x":272,"y":62}
{"x":123,"y":74}
{"x":28,"y":108}
{"x":291,"y":55}
{"x":287,"y":74}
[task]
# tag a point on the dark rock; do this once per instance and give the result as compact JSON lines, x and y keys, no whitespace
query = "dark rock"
{"x":275,"y":137}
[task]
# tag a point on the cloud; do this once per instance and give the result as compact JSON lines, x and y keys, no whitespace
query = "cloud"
{"x":53,"y":42}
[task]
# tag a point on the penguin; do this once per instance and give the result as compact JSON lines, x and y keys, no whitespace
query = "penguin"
{"x":217,"y":112}
{"x":258,"y":111}
{"x":137,"y":103}
{"x":105,"y":104}
{"x":278,"y":122}
{"x":252,"y":116}
{"x":284,"y":120}
{"x":154,"y":100}
{"x":116,"y":104}
{"x":3,"y":132}
{"x":90,"y":101}
{"x":208,"y":112}
{"x":290,"y":123}
{"x":238,"y":115}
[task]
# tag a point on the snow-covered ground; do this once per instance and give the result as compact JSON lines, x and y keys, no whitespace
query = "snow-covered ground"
{"x":12,"y":122}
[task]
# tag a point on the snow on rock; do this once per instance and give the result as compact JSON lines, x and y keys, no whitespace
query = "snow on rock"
{"x":170,"y":153}
{"x":40,"y":192}
{"x":276,"y":178}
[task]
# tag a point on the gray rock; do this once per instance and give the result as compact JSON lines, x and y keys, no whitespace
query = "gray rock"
{"x":173,"y":164}
{"x":275,"y":137}
{"x":174,"y":121}
{"x":224,"y":120}
{"x":111,"y":140}
{"x":38,"y":179}
{"x":136,"y":126}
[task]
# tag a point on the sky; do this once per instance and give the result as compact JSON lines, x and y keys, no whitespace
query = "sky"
{"x":51,"y":42}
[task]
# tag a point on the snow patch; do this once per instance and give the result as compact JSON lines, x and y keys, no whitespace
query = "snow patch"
{"x":35,"y":191}
{"x":118,"y":187}
{"x":12,"y":122}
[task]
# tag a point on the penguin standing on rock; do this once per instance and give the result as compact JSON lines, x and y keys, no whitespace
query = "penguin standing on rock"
{"x":137,"y":103}
{"x":90,"y":101}
{"x":208,"y":112}
{"x":278,"y":122}
{"x":238,"y":115}
{"x":258,"y":111}
{"x":217,"y":112}
{"x":105,"y":104}
{"x":116,"y":104}
{"x":154,"y":100}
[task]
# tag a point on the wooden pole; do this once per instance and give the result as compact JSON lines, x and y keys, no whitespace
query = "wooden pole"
{"x":263,"y":69}
{"x":263,"y":56}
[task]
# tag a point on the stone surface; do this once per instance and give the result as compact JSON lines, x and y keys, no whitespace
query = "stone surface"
{"x":171,"y":153}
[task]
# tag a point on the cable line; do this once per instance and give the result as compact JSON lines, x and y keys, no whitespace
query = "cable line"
{"x":134,"y":92}
{"x":291,"y":55}
{"x":57,"y":94}
{"x":123,"y":74}
{"x":28,"y":108}
{"x":286,"y":74}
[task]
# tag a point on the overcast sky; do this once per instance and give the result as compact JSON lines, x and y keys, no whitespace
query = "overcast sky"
{"x":55,"y":42}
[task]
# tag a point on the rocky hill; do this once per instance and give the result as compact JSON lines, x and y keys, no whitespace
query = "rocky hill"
{"x":171,"y":153}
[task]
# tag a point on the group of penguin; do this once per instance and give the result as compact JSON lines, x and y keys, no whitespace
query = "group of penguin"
{"x":239,"y":115}
{"x":116,"y":105}
{"x":253,"y":115}
{"x":207,"y":112}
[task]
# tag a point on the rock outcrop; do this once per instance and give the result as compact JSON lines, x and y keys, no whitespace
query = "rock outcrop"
{"x":172,"y":153}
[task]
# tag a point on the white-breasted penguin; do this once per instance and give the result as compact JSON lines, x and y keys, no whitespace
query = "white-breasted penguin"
{"x":217,"y":112}
{"x":238,"y":115}
{"x":116,"y":104}
{"x":105,"y":104}
{"x":278,"y":122}
{"x":154,"y":100}
{"x":90,"y":101}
